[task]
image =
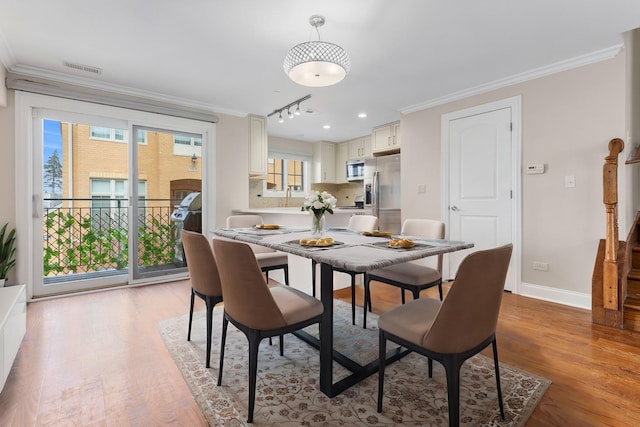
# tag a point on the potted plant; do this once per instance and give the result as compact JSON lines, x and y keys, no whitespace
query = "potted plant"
{"x":7,"y":252}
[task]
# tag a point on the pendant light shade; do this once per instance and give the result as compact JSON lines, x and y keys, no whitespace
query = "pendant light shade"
{"x":317,"y":63}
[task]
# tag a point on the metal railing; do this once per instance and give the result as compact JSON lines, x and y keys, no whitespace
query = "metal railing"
{"x":91,"y":235}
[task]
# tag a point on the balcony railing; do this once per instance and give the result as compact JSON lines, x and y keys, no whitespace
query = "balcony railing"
{"x":91,"y":235}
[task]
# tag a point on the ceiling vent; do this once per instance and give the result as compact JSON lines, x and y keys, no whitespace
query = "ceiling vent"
{"x":80,"y":67}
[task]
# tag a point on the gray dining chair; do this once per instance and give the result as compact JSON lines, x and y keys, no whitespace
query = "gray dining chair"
{"x":204,"y":277}
{"x":256,"y":310}
{"x":267,"y":258}
{"x":453,"y":330}
{"x":413,"y":276}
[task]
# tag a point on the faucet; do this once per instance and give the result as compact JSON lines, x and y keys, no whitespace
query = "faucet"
{"x":287,"y":197}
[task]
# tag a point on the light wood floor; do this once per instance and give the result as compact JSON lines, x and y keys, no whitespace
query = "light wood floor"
{"x":97,"y":360}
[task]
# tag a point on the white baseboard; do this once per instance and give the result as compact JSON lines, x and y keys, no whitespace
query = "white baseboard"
{"x":560,"y":296}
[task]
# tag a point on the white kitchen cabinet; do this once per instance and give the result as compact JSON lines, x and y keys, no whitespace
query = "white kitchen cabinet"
{"x":342,"y":155}
{"x":360,"y":148}
{"x":386,"y":138}
{"x":258,"y":146}
{"x":324,"y":162}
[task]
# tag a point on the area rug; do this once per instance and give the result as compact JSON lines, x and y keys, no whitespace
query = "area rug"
{"x":288,"y":390}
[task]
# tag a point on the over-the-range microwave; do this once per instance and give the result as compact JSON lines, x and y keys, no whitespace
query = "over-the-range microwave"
{"x":355,"y":170}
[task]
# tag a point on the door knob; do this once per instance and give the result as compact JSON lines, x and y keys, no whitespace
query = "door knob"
{"x":454,"y":208}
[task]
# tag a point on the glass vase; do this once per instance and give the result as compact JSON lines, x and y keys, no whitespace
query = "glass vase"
{"x":317,"y":224}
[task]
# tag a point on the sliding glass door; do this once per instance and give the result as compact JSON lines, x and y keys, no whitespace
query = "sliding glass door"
{"x":104,"y":189}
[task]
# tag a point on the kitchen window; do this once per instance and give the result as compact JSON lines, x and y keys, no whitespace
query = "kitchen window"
{"x":287,"y":171}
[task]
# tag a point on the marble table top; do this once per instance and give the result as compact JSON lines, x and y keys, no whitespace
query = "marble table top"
{"x":352,"y":251}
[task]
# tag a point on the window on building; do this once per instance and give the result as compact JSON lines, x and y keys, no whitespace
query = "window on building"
{"x":287,"y":171}
{"x":116,"y":135}
{"x":109,"y":203}
{"x":187,"y":145}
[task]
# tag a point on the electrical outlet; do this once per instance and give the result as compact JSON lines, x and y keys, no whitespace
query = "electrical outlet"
{"x":540,"y":266}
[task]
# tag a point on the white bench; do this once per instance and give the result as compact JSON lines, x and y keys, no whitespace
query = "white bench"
{"x":13,"y":325}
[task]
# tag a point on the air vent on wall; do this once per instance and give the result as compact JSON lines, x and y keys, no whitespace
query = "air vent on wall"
{"x":80,"y":67}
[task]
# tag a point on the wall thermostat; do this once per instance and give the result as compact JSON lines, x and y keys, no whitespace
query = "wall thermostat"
{"x":535,"y":169}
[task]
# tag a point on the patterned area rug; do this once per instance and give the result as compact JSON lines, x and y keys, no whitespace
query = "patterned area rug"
{"x":288,"y":392}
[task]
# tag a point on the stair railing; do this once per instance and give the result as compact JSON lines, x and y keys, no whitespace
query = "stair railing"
{"x":610,"y":198}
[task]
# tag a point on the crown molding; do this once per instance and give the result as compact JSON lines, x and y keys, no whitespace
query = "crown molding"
{"x":39,"y":73}
{"x":536,"y":73}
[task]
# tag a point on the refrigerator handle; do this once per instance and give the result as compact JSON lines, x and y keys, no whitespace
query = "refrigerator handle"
{"x":375,"y":201}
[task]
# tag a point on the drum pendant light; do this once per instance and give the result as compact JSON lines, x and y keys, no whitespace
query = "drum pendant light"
{"x":317,"y":63}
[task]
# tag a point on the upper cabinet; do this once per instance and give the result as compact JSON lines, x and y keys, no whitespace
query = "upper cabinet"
{"x":342,"y":155}
{"x":360,"y":148}
{"x":324,"y":162}
{"x":386,"y":138}
{"x":258,"y":146}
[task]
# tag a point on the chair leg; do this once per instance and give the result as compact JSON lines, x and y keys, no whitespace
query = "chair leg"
{"x":210,"y":304}
{"x":286,"y":275}
{"x":416,"y":294}
{"x":266,"y":276}
{"x":402,"y":294}
{"x":452,"y":369}
{"x":281,"y":345}
{"x":193,"y":295}
{"x":497,"y":367}
{"x":223,"y":339}
{"x":254,"y":342}
{"x":430,"y":367}
{"x":440,"y":290}
{"x":382,"y":355}
{"x":353,"y":299}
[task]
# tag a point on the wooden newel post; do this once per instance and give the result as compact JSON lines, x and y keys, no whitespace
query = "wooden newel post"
{"x":610,"y":198}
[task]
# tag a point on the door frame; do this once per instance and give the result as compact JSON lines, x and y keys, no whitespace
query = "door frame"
{"x":25,"y":200}
{"x":515,"y":103}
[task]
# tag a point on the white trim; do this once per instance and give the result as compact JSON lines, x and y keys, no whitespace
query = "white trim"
{"x":515,"y":103}
{"x":567,"y":64}
{"x":559,"y":296}
{"x":64,"y":85}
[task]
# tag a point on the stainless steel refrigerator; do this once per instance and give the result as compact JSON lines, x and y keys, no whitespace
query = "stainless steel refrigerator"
{"x":382,"y":191}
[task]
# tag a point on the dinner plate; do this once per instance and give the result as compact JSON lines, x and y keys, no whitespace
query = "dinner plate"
{"x":267,"y":226}
{"x":318,"y":245}
{"x":377,"y":233}
{"x":402,"y":247}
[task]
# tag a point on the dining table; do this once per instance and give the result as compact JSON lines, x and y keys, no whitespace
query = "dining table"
{"x":348,"y":250}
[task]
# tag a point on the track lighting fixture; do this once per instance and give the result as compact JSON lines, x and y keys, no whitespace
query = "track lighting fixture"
{"x":287,"y":109}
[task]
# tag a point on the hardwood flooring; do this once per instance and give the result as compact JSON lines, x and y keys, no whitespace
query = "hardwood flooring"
{"x":97,"y":360}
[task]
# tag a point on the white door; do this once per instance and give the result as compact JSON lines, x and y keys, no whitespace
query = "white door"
{"x":481,"y":184}
{"x":86,"y":201}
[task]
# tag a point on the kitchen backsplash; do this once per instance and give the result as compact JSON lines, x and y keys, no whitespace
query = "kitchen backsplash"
{"x":345,"y":193}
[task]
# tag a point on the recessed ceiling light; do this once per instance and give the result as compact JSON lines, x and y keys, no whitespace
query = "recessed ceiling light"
{"x":362,"y":115}
{"x":326,"y":127}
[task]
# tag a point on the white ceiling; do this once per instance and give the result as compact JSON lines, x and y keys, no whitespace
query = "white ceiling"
{"x":226,"y":56}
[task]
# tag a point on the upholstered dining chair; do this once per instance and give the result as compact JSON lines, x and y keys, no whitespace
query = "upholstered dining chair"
{"x":205,"y":281}
{"x":357,"y":223}
{"x":268,"y":259}
{"x":413,"y":276}
{"x":255,"y":309}
{"x":455,"y":329}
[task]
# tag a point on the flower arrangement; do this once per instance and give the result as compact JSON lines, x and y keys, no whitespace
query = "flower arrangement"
{"x":319,"y":204}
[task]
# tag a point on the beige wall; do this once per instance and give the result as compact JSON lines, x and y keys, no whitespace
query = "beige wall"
{"x":567,"y":120}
